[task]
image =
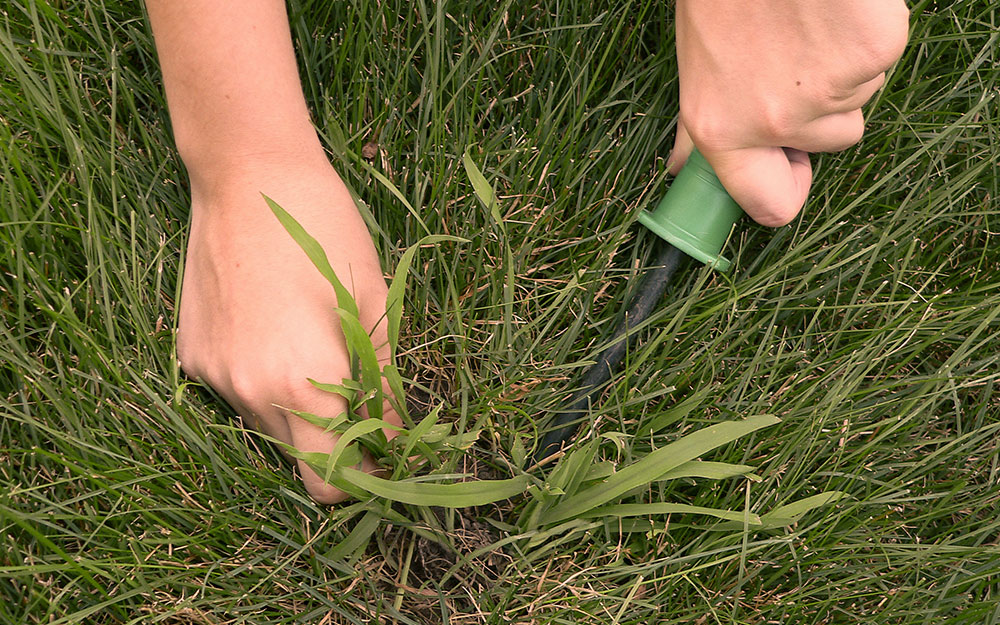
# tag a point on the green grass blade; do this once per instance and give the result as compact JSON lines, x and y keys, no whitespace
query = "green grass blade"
{"x":358,"y":538}
{"x":655,"y":465}
{"x":360,"y":344}
{"x":710,"y":470}
{"x":348,"y":389}
{"x":482,"y":188}
{"x":455,"y":495}
{"x":316,"y":254}
{"x":657,"y":509}
{"x":415,"y":436}
{"x":790,"y":513}
{"x":394,"y":299}
{"x":320,"y":461}
{"x":356,"y":431}
{"x":329,"y":424}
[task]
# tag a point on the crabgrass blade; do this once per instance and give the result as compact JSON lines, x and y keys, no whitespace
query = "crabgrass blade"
{"x":599,"y":471}
{"x":316,"y":254}
{"x":790,"y":513}
{"x":710,"y":470}
{"x":356,"y":431}
{"x":360,"y":345}
{"x":676,"y":412}
{"x":551,"y":538}
{"x":578,"y":468}
{"x":481,"y":187}
{"x":655,"y":465}
{"x":484,"y":191}
{"x":329,"y":424}
{"x":320,"y":461}
{"x":416,"y":435}
{"x":575,"y":467}
{"x":786,"y":515}
{"x":455,"y":495}
{"x":392,"y":378}
{"x":358,"y":538}
{"x":349,"y":389}
{"x":655,"y":509}
{"x":394,"y":299}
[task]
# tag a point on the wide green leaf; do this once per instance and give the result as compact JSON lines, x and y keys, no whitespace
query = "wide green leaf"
{"x":349,"y":389}
{"x":358,"y":538}
{"x":329,"y":424}
{"x":454,"y":495}
{"x":360,"y":344}
{"x":356,"y":431}
{"x":316,"y":254}
{"x":790,"y":513}
{"x":654,"y":509}
{"x":710,"y":470}
{"x":394,"y":298}
{"x":481,"y":187}
{"x":655,"y":465}
{"x":320,"y":461}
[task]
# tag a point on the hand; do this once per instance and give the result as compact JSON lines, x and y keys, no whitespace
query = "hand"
{"x":257,"y":319}
{"x":763,"y":83}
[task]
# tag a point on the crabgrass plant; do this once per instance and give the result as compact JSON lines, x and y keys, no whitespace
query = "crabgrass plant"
{"x":577,"y":489}
{"x":526,"y":137}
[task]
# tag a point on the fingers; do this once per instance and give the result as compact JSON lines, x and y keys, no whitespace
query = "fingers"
{"x":770,"y":184}
{"x":851,"y":98}
{"x":830,"y":133}
{"x":307,"y":437}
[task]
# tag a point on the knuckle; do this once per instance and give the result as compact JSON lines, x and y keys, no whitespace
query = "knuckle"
{"x":882,"y":52}
{"x":325,"y":494}
{"x":256,"y":384}
{"x":900,"y":14}
{"x":831,"y":95}
{"x":290,"y":387}
{"x":896,"y":44}
{"x":888,"y":40}
{"x":264,"y":379}
{"x":247,"y":384}
{"x":776,"y":124}
{"x":294,"y":389}
{"x":707,"y":130}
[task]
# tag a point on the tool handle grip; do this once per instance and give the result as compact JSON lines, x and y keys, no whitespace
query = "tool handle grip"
{"x":697,"y":214}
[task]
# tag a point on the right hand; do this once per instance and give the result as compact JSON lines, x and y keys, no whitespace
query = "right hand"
{"x":763,"y":83}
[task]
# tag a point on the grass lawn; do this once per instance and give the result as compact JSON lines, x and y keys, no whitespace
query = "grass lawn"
{"x":870,"y":327}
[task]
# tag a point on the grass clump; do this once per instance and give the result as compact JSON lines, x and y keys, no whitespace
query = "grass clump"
{"x":869,"y":327}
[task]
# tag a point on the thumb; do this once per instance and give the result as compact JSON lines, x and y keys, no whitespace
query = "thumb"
{"x":770,"y":184}
{"x":682,"y":150}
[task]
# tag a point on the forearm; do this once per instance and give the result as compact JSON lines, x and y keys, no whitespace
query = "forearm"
{"x":231,"y":82}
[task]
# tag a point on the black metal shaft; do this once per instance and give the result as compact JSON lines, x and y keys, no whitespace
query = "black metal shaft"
{"x":565,"y":423}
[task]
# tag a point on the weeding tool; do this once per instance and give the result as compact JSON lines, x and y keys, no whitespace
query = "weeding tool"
{"x":694,"y":218}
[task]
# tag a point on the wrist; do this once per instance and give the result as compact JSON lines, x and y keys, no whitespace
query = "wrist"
{"x":213,"y":168}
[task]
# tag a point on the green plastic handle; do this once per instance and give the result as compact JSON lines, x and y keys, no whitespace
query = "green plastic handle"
{"x":697,"y":214}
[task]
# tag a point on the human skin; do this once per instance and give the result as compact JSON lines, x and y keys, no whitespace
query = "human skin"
{"x":761,"y":84}
{"x":764,"y":83}
{"x":256,"y":318}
